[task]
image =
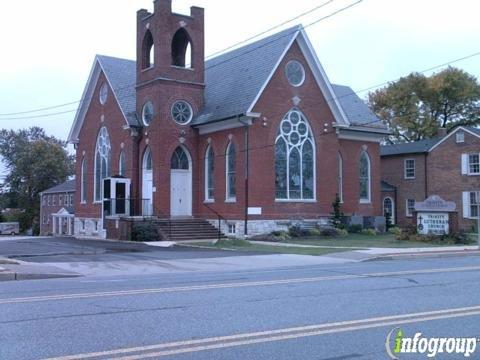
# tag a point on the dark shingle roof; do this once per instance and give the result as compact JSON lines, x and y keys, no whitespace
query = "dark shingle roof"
{"x":387,"y":187}
{"x":420,"y":146}
{"x":122,"y":74}
{"x":357,"y":112}
{"x":67,"y":186}
{"x":473,"y":129}
{"x":233,"y":80}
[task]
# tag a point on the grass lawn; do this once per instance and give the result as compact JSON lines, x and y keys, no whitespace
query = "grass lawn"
{"x":362,"y":241}
{"x":242,"y":245}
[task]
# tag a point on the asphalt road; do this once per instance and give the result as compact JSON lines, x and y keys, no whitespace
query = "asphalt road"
{"x":326,"y":312}
{"x":68,"y":249}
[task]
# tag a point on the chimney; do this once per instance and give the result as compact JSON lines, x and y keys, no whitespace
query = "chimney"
{"x":441,"y":132}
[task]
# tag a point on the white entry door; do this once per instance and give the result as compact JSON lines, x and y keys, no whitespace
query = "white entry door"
{"x":180,"y":193}
{"x":147,"y":184}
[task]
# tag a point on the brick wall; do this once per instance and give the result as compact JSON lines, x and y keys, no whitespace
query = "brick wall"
{"x":46,"y":210}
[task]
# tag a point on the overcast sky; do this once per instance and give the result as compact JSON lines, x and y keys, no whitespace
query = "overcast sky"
{"x":48,"y":46}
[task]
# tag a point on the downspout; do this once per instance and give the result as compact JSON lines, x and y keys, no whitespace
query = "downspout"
{"x":246,"y":151}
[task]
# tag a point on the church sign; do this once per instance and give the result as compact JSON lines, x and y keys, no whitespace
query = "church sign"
{"x":433,"y":215}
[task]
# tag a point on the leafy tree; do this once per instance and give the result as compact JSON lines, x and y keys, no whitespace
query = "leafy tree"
{"x":34,"y":162}
{"x":336,"y":216}
{"x":416,"y":106}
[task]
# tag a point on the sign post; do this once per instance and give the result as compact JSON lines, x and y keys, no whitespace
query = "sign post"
{"x":434,"y":215}
{"x":477,"y":198}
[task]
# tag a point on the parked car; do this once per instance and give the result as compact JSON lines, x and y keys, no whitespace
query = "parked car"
{"x":9,"y":228}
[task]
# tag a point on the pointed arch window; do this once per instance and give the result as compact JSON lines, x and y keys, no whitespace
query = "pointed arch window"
{"x":340,"y":177}
{"x":121,"y":164}
{"x":102,"y":161}
{"x":181,"y":49}
{"x":179,"y":160}
{"x":294,"y":159}
{"x":209,"y":171}
{"x":230,"y":172}
{"x":365,"y":177}
{"x":147,"y":50}
{"x":83,"y":183}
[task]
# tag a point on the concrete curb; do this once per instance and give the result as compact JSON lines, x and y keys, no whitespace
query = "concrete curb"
{"x":431,"y":254}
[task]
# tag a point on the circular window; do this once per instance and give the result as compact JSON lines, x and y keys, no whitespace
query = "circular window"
{"x":295,"y":73}
{"x":182,"y":112}
{"x":103,"y":93}
{"x":147,"y":113}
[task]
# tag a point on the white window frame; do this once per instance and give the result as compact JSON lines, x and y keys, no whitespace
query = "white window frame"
{"x":299,"y":147}
{"x":406,"y":168}
{"x":407,"y":208}
{"x":368,"y":199}
{"x":83,"y":195}
{"x":49,"y":202}
{"x":340,"y":177}
{"x":470,"y":165}
{"x":122,"y":162}
{"x":231,"y":226}
{"x":392,"y":215}
{"x":228,"y":197}
{"x":207,"y":175}
{"x":54,"y":200}
{"x":460,"y":137}
{"x":103,"y":132}
{"x":467,"y":204}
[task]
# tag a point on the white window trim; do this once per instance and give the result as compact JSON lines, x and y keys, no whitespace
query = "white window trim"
{"x":99,"y":201}
{"x":314,"y":150}
{"x":392,"y":218}
{"x":340,"y":177}
{"x":83,"y":197}
{"x":407,"y":213}
{"x":230,"y":199}
{"x":457,"y":137}
{"x":468,"y":165}
{"x":467,"y":214}
{"x":367,"y":200}
{"x":405,"y":169}
{"x":208,"y":199}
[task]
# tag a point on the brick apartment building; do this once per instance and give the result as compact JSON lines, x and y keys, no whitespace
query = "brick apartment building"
{"x":447,"y":166}
{"x":257,"y":136}
{"x":57,"y":209}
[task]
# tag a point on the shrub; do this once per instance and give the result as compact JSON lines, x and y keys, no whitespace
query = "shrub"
{"x":459,"y":238}
{"x":395,"y":230}
{"x":297,"y":231}
{"x":354,"y":228}
{"x":281,"y":234}
{"x":342,"y":232}
{"x":315,"y":232}
{"x":336,"y":215}
{"x":274,"y":236}
{"x":369,"y":232}
{"x":330,"y":232}
{"x":145,"y":231}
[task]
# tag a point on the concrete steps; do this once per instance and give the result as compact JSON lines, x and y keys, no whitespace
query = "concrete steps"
{"x":188,"y":229}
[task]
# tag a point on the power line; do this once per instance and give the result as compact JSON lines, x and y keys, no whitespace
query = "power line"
{"x":207,"y":57}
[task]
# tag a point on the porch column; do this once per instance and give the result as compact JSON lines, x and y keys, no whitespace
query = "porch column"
{"x":53,"y":225}
{"x":69,"y":219}
{"x":60,"y":225}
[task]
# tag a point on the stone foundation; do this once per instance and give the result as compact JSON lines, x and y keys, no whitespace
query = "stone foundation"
{"x":89,"y":227}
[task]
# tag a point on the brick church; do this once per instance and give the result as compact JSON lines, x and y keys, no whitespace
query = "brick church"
{"x":257,"y":137}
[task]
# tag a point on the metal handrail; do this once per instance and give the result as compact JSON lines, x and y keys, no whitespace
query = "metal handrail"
{"x":220,"y":218}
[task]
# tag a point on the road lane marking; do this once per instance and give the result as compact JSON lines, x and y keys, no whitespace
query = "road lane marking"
{"x":179,"y":347}
{"x":230,"y":285}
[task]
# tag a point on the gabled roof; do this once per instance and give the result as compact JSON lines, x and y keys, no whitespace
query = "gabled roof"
{"x":423,"y":146}
{"x":234,"y":82}
{"x":67,"y":186}
{"x":121,"y":75}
